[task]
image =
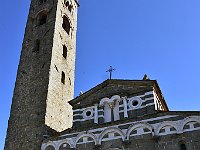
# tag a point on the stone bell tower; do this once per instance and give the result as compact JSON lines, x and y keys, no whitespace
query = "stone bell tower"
{"x":45,"y":77}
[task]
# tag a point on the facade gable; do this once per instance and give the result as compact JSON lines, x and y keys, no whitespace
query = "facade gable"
{"x":115,"y":100}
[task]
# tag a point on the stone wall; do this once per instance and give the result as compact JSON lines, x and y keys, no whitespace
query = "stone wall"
{"x":59,"y":112}
{"x":40,"y":98}
{"x":155,"y":132}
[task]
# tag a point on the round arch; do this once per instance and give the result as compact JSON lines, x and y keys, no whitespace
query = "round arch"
{"x":111,"y":129}
{"x":187,"y":120}
{"x":86,"y":134}
{"x":66,"y":141}
{"x":167,"y":123}
{"x":138,"y":125}
{"x":50,"y":144}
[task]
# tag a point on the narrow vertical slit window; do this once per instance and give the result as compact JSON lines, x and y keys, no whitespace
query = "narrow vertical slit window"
{"x":63,"y":78}
{"x":37,"y":46}
{"x":66,"y":24}
{"x":42,"y":18}
{"x":64,"y":51}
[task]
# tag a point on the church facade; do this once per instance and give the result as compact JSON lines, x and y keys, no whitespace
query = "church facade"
{"x":114,"y":115}
{"x":127,"y":115}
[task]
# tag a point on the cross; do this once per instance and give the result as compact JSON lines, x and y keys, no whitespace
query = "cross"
{"x":110,"y":71}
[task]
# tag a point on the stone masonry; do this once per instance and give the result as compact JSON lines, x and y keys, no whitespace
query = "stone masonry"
{"x":114,"y":115}
{"x":141,"y":124}
{"x":45,"y":77}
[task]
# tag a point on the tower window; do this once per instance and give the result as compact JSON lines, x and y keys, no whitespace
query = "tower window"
{"x":63,"y":78}
{"x":42,"y":18}
{"x":70,"y":8}
{"x":64,"y":51}
{"x":66,"y":24}
{"x":42,"y":1}
{"x":37,"y":46}
{"x":67,"y":3}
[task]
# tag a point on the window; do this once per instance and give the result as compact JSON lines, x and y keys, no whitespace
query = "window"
{"x":182,"y":146}
{"x":43,"y":1}
{"x":63,"y":78}
{"x":135,"y":103}
{"x":42,"y":18}
{"x":70,"y":7}
{"x":111,"y":108}
{"x":88,"y":113}
{"x":66,"y":24}
{"x":67,"y":3}
{"x":37,"y":46}
{"x":64,"y":51}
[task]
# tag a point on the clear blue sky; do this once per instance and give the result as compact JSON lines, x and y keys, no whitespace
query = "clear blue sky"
{"x":160,"y":38}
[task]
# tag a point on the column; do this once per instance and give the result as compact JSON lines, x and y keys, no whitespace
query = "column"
{"x":125,"y":107}
{"x":96,"y":114}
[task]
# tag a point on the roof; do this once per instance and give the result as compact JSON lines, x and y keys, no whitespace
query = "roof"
{"x":152,"y":83}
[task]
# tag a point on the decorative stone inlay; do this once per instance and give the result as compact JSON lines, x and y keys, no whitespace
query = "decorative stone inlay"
{"x":134,"y":102}
{"x":88,"y":113}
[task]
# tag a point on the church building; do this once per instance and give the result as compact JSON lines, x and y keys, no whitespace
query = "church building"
{"x":114,"y":115}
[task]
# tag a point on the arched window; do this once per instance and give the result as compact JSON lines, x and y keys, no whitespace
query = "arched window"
{"x":66,"y":24}
{"x":42,"y":18}
{"x":66,"y":3}
{"x":42,"y":1}
{"x":36,"y":46}
{"x":111,"y":108}
{"x":70,"y":7}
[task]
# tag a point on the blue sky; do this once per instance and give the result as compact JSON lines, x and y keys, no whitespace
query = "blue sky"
{"x":157,"y":37}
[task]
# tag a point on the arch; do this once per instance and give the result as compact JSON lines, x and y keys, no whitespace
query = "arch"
{"x":41,"y":17}
{"x":66,"y":141}
{"x":115,"y":98}
{"x":69,"y":5}
{"x":109,"y":130}
{"x":49,"y":144}
{"x":167,"y":123}
{"x":42,"y":1}
{"x":104,"y":101}
{"x":86,"y":134}
{"x":187,"y":120}
{"x":66,"y":3}
{"x":44,"y":10}
{"x":111,"y":105}
{"x":138,"y":125}
{"x":110,"y":100}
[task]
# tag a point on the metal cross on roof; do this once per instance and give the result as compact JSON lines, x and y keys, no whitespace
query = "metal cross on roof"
{"x":110,"y":71}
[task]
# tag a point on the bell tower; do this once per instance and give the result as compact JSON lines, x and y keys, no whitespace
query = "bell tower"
{"x":45,"y":76}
